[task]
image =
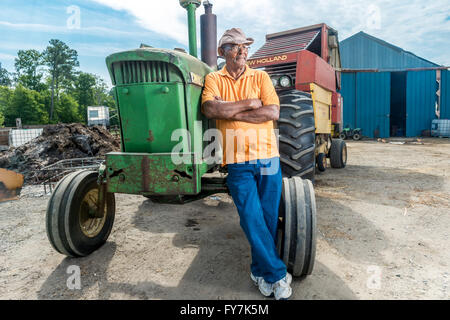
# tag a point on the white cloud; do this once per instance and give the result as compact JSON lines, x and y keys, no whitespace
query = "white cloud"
{"x":164,"y":17}
{"x":410,"y":24}
{"x":44,"y":28}
{"x":5,"y":56}
{"x":96,"y":50}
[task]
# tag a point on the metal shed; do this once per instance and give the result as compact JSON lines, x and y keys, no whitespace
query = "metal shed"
{"x":445,"y":94}
{"x":388,"y":91}
{"x":363,"y":51}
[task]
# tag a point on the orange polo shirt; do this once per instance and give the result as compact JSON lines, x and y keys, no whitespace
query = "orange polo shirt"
{"x":243,"y":141}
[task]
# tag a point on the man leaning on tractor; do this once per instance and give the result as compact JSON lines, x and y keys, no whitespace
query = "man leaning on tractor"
{"x":244,"y":100}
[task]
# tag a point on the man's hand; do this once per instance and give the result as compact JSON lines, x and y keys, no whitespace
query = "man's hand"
{"x":219,"y":109}
{"x":260,"y":115}
{"x":254,"y":103}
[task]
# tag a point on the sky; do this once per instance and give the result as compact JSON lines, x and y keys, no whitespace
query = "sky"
{"x":98,"y":28}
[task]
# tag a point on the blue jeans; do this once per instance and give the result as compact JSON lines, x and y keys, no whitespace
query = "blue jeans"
{"x":256,"y":190}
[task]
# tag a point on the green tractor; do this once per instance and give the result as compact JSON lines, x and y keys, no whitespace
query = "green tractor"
{"x":158,"y":94}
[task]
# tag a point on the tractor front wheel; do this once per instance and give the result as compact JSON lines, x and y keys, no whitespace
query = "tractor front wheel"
{"x":74,"y":226}
{"x":296,"y":237}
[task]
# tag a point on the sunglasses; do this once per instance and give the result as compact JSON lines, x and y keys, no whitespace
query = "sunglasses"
{"x":236,"y":47}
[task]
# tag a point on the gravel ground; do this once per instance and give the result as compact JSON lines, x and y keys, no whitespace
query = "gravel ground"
{"x":383,"y":233}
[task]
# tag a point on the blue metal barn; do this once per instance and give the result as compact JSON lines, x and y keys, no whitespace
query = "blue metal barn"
{"x":388,"y":91}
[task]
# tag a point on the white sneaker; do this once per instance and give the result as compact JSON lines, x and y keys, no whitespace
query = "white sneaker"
{"x":282,"y":288}
{"x":264,"y":287}
{"x":255,"y":279}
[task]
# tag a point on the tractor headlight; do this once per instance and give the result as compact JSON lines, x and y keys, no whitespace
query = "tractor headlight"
{"x":274,"y":82}
{"x":285,"y":81}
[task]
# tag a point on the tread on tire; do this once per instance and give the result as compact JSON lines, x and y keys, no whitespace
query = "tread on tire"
{"x":297,"y":134}
{"x":63,"y":224}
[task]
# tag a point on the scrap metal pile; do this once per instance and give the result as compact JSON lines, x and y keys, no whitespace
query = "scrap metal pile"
{"x":58,"y":142}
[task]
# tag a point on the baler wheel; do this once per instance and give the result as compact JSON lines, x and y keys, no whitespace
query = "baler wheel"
{"x":338,"y":154}
{"x":296,"y":235}
{"x":321,"y":162}
{"x":73,"y":228}
{"x":297,"y":134}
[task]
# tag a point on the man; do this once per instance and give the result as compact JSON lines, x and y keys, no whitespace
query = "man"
{"x":244,"y":103}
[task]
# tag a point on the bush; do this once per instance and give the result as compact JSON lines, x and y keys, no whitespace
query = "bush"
{"x":25,"y":104}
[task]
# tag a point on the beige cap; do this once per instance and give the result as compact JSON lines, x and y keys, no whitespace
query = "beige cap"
{"x":235,"y":36}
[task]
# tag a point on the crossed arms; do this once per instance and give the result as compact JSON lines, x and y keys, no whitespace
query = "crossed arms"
{"x":250,"y":110}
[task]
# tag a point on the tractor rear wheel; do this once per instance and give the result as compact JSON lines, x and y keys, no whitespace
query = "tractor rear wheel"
{"x":297,"y":134}
{"x":73,"y":226}
{"x":338,"y":153}
{"x":296,"y":235}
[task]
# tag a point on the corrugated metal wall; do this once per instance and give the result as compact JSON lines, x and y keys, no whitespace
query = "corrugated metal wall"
{"x":420,"y":101}
{"x":363,"y":51}
{"x":445,"y":94}
{"x":348,"y":85}
{"x":373,"y":100}
{"x":367,"y":102}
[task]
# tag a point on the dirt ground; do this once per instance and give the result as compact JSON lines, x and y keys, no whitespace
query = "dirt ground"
{"x":383,"y":233}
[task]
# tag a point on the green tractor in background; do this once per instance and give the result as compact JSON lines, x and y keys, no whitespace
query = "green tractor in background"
{"x":158,"y":93}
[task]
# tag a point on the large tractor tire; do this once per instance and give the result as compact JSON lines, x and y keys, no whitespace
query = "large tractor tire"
{"x":296,"y":237}
{"x":297,"y":134}
{"x":71,"y":223}
{"x":338,"y":154}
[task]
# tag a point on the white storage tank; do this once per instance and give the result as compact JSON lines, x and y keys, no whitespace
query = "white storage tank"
{"x":98,"y":115}
{"x":440,"y":128}
{"x":18,"y":137}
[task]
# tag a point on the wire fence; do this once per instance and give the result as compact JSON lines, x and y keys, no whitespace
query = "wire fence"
{"x":58,"y":170}
{"x":18,"y":137}
{"x":15,"y":137}
{"x":440,"y":128}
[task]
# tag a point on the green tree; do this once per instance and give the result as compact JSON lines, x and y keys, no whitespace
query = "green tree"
{"x":84,"y":92}
{"x":28,"y":72}
{"x":5,"y":77}
{"x":5,"y":100}
{"x":107,"y":99}
{"x":67,"y":109}
{"x":61,"y":61}
{"x":25,"y":104}
{"x":104,"y":97}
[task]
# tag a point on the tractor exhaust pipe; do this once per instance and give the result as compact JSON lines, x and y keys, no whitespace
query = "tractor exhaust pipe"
{"x":208,"y":36}
{"x":191,"y":6}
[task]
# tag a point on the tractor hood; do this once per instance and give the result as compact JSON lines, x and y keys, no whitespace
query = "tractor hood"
{"x":190,"y":70}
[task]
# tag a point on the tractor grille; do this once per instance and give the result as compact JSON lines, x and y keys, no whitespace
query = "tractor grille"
{"x":284,"y":69}
{"x":129,"y":72}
